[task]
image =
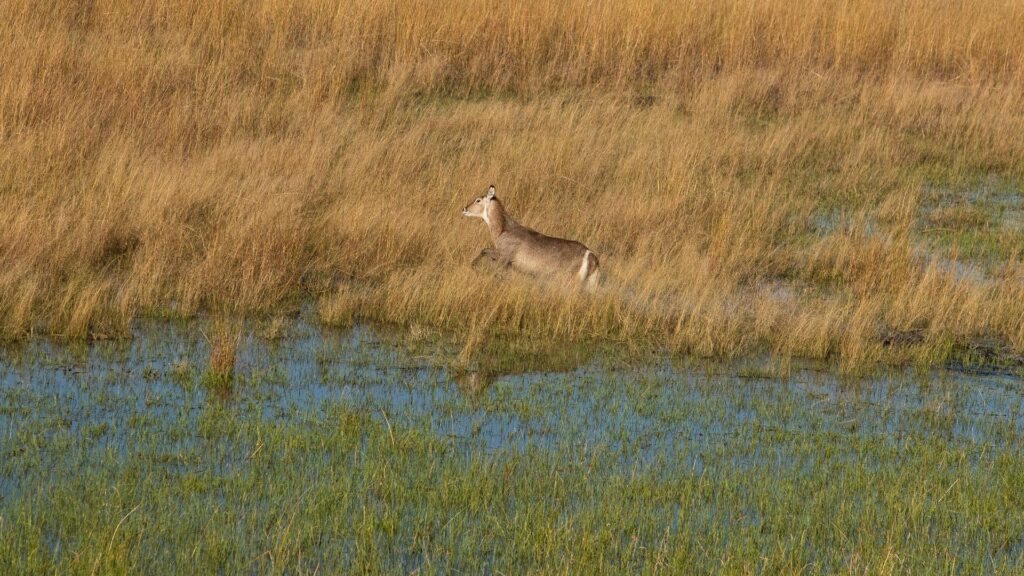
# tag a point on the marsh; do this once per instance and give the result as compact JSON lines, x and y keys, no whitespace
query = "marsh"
{"x":349,"y":451}
{"x":240,"y":332}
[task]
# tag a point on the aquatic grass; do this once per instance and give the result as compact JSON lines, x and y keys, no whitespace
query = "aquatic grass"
{"x":182,"y":373}
{"x":327,"y":502}
{"x":655,"y":467}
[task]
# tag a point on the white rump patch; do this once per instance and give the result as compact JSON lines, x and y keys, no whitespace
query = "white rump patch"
{"x":585,"y":266}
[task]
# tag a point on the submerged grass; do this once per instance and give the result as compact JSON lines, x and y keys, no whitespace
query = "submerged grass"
{"x":755,"y":177}
{"x":641,"y":469}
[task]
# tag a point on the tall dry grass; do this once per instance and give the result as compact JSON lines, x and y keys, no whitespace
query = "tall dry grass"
{"x":756,"y":175}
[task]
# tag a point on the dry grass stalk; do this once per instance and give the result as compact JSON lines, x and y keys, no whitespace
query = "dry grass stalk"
{"x":752,"y":174}
{"x":223,"y":342}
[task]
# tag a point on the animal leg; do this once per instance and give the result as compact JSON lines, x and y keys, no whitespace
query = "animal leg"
{"x":489,"y":253}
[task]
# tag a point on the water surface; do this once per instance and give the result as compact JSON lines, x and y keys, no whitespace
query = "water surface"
{"x":76,"y":409}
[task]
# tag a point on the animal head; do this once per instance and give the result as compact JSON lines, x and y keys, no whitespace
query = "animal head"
{"x":478,"y":208}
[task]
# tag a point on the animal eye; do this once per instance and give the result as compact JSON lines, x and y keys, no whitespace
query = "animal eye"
{"x":477,"y":200}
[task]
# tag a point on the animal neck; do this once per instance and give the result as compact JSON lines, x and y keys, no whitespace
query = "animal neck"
{"x":498,"y":221}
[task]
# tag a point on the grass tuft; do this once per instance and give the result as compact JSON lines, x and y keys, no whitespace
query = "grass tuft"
{"x":220,"y":372}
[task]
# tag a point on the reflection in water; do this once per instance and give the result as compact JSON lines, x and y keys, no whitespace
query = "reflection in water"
{"x":473,"y":383}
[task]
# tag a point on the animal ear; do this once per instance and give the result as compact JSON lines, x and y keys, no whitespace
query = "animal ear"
{"x":490,"y":192}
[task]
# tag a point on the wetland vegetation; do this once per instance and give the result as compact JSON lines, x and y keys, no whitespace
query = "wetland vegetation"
{"x":346,"y":452}
{"x":239,"y":332}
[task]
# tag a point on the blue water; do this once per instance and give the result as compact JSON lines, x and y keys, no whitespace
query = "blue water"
{"x":645,"y":413}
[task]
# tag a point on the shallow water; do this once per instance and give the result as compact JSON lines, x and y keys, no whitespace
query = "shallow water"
{"x":642,"y":412}
{"x":663,"y":419}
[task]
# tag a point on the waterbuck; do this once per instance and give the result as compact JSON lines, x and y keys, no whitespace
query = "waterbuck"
{"x":529,"y":251}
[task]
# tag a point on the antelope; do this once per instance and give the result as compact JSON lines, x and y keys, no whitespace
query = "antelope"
{"x":529,"y":251}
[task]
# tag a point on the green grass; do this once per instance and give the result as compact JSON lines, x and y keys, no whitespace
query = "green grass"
{"x":620,"y":469}
{"x":349,"y":494}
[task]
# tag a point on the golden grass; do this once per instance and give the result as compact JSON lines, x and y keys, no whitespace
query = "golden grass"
{"x":755,"y":175}
{"x":223,"y":341}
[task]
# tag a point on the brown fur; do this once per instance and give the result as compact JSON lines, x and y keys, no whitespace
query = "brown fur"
{"x":526,"y":250}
